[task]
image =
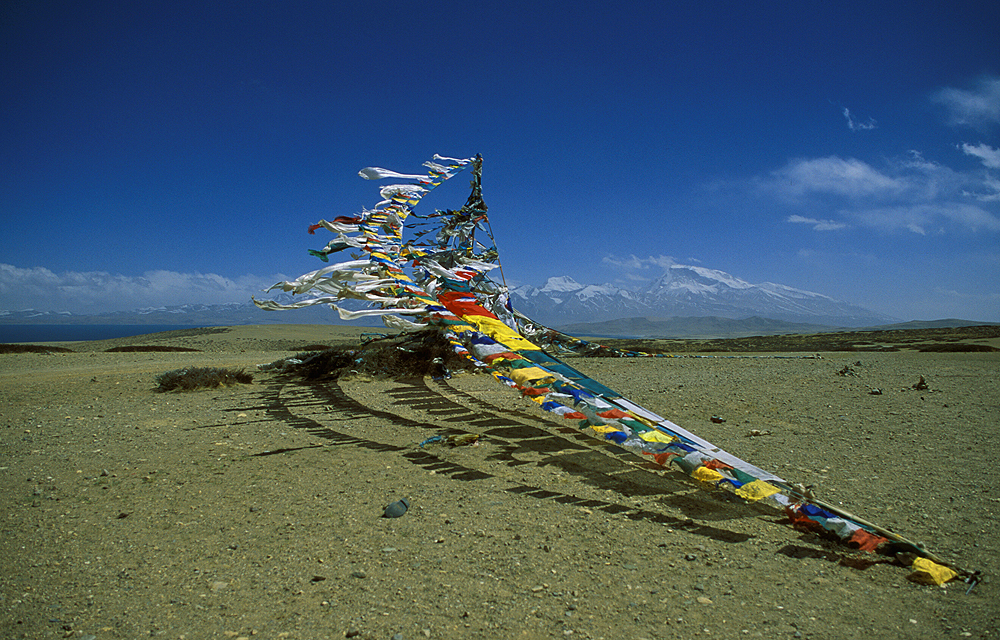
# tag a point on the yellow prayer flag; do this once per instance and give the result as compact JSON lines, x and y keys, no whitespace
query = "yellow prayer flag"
{"x":501,"y":333}
{"x":531,"y":376}
{"x":756,"y":490}
{"x":929,"y":572}
{"x":707,"y":475}
{"x":657,"y":436}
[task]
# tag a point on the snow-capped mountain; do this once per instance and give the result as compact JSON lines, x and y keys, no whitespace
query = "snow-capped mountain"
{"x":682,"y":291}
{"x":685,"y":290}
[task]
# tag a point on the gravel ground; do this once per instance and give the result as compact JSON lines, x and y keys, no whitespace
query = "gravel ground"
{"x":254,"y":511}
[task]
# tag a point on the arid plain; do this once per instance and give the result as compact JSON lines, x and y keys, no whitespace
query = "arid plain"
{"x":253,"y":511}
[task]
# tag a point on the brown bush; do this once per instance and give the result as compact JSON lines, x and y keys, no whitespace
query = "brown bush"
{"x":201,"y":378}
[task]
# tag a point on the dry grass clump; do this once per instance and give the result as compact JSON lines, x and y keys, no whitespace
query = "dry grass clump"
{"x":32,"y":348}
{"x":148,"y":349}
{"x":312,"y":347}
{"x":957,"y":348}
{"x":201,"y":378}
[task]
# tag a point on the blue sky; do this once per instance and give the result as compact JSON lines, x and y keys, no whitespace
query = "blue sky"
{"x":162,"y":153}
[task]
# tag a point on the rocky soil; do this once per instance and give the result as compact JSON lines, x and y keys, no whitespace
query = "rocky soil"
{"x":253,"y":511}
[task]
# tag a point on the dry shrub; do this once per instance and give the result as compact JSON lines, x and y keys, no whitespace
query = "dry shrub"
{"x":148,"y":348}
{"x":201,"y":378}
{"x":957,"y":348}
{"x":32,"y":348}
{"x":410,"y":355}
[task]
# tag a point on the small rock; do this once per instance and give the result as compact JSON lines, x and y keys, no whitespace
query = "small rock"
{"x":352,"y":633}
{"x":396,"y":509}
{"x":359,"y":574}
{"x":704,"y":600}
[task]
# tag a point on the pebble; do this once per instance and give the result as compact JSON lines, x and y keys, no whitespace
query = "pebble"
{"x":396,"y":509}
{"x":352,"y":633}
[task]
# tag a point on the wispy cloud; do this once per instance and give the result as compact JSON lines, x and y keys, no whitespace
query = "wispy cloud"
{"x":100,"y":291}
{"x":988,"y":189}
{"x":855,"y":125}
{"x":986,"y":153}
{"x":849,"y":177}
{"x":634,"y":271}
{"x":632,"y":263}
{"x":910,"y":193}
{"x":924,"y":218}
{"x":818,"y":225}
{"x":978,"y":107}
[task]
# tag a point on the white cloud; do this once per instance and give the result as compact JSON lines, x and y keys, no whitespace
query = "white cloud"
{"x":633,"y":263}
{"x":986,"y":153}
{"x":910,"y":193}
{"x":978,"y":108}
{"x":818,"y":225}
{"x":918,"y":218}
{"x":635,"y":271}
{"x":992,"y":194}
{"x":851,"y":178}
{"x":100,"y":291}
{"x":854,"y":125}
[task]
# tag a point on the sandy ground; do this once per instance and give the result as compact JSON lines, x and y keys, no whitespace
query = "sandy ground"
{"x":254,"y":511}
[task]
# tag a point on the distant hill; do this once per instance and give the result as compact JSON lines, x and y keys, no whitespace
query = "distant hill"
{"x":949,"y":323}
{"x":690,"y":327}
{"x":707,"y":327}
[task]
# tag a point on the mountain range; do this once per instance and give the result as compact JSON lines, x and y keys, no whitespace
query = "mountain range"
{"x":687,"y":291}
{"x":684,"y":301}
